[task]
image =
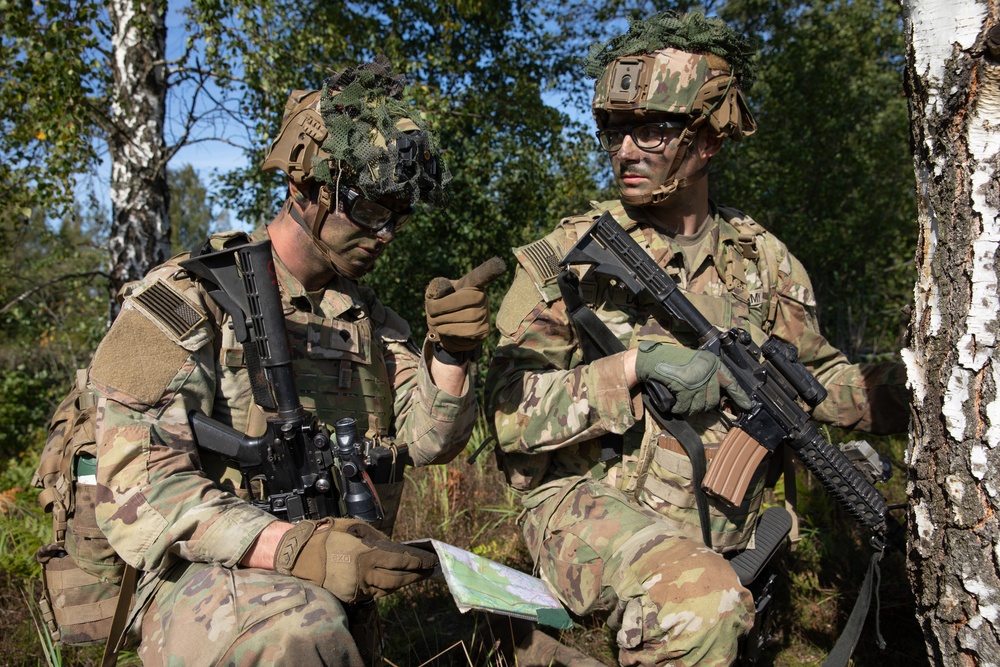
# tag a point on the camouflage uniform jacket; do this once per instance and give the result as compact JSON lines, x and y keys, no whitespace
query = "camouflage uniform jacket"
{"x":551,"y":408}
{"x":160,"y":499}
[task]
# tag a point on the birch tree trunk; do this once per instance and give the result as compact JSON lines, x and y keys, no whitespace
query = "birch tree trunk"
{"x":953,"y":72}
{"x":140,"y":227}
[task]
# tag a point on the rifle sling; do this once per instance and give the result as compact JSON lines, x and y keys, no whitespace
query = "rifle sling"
{"x":597,"y":341}
{"x":116,"y":634}
{"x":840,"y":656}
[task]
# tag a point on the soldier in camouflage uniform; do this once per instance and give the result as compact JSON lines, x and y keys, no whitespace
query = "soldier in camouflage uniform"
{"x":222,"y":581}
{"x":617,"y":528}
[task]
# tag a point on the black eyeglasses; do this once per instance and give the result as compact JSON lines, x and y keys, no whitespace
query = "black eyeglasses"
{"x":647,"y":136}
{"x":368,"y":214}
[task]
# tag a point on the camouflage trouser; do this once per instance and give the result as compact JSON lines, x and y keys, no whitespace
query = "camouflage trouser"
{"x":673,"y":601}
{"x":206,"y":614}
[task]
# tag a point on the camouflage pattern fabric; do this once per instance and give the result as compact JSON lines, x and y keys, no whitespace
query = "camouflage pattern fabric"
{"x":551,"y":409}
{"x":211,"y":615}
{"x":673,"y":600}
{"x":669,"y":81}
{"x":161,"y":501}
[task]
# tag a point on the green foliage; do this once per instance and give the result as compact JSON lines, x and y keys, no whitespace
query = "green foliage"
{"x":191,"y":218}
{"x":52,"y":309}
{"x":829,"y":170}
{"x":52,"y":101}
{"x":21,"y":411}
{"x":23,"y":530}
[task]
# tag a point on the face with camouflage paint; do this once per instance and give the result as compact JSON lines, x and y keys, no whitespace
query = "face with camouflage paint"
{"x":358,"y":247}
{"x":642,"y":171}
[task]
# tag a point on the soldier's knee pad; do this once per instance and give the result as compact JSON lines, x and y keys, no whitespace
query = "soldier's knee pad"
{"x":678,"y":600}
{"x":575,"y":532}
{"x":574,"y":569}
{"x":655,"y":555}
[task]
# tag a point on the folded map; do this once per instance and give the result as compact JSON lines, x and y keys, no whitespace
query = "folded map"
{"x":480,"y":583}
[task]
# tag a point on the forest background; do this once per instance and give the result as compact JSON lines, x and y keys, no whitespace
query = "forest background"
{"x":829,"y":172}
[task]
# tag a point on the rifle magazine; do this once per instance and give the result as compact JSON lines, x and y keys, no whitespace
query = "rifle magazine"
{"x":732,"y":468}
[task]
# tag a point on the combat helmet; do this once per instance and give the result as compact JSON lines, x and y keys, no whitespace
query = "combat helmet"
{"x":357,"y":137}
{"x":690,"y":66}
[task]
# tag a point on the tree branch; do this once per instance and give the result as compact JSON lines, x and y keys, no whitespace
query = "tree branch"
{"x":36,"y":288}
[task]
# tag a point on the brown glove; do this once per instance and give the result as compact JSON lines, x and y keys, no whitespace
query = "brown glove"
{"x":458,"y":312}
{"x":350,"y":559}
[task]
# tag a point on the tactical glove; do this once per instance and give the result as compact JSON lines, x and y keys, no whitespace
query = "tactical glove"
{"x":458,"y":312}
{"x":694,"y":377}
{"x":350,"y":559}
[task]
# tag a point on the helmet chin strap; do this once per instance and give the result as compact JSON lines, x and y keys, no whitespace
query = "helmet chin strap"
{"x":673,"y":184}
{"x":335,"y":260}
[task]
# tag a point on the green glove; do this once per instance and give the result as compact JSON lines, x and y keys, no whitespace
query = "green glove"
{"x":694,"y":377}
{"x":350,"y":559}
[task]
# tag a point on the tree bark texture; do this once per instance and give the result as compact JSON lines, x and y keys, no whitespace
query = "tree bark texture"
{"x":140,"y":228}
{"x":953,"y":76}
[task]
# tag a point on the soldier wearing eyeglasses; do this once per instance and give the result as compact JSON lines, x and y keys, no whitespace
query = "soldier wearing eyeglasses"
{"x":222,"y":581}
{"x":611,"y":514}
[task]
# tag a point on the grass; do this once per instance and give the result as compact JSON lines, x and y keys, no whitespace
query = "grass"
{"x":469,"y":505}
{"x":51,"y":650}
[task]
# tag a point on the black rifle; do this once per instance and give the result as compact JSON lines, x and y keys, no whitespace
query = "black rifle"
{"x":775,"y":417}
{"x":290,"y":470}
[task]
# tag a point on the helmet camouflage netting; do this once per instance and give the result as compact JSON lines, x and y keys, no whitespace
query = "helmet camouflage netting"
{"x":692,"y":33}
{"x":376,"y":140}
{"x":357,"y":131}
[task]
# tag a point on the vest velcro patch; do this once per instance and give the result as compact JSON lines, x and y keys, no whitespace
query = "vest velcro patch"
{"x":170,"y":308}
{"x":542,"y":258}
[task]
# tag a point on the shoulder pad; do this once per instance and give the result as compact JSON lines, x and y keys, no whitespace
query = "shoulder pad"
{"x":387,"y":324}
{"x":750,"y":235}
{"x":224,"y":240}
{"x":741,"y":221}
{"x":755,"y":241}
{"x":540,"y":260}
{"x":575,"y":226}
{"x":220,"y":241}
{"x":163,"y":320}
{"x":175,"y":304}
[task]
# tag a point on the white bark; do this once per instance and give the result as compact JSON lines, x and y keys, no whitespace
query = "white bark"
{"x":140,"y":233}
{"x":954,"y":360}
